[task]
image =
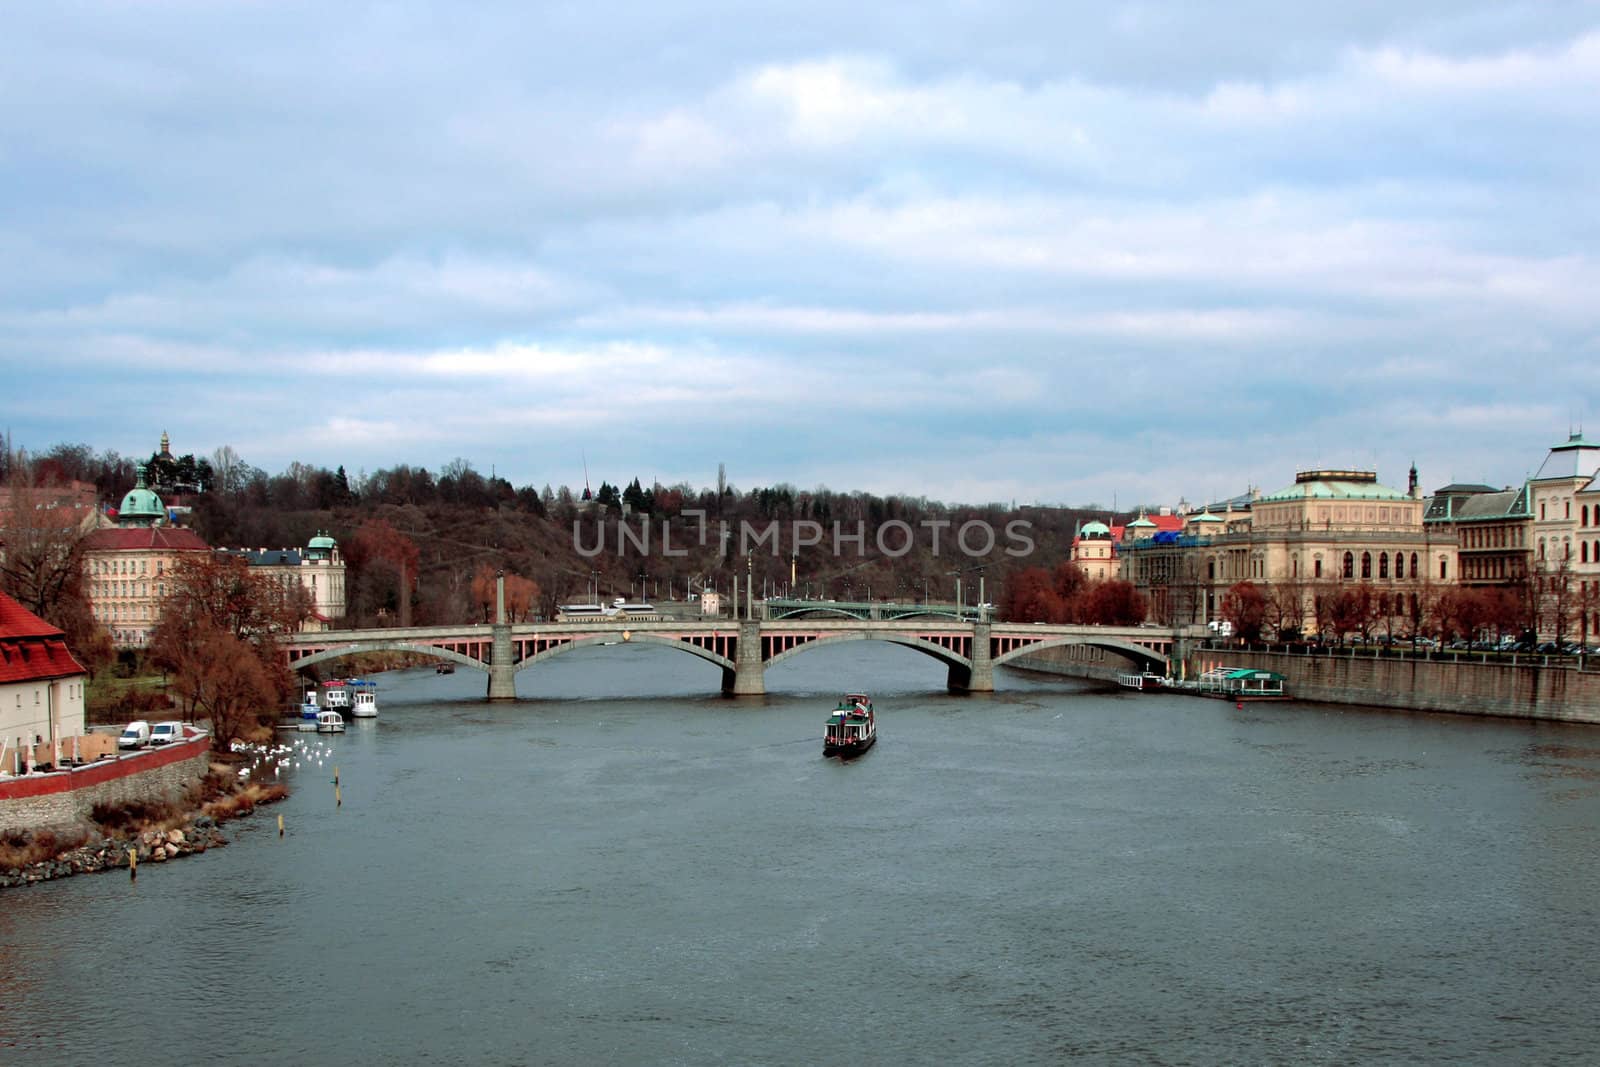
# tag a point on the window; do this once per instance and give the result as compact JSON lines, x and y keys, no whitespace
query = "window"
{"x":1349,"y":565}
{"x":1399,"y":564}
{"x":1294,"y":567}
{"x":1568,"y":513}
{"x":1366,"y":564}
{"x":1541,"y":511}
{"x":1317,"y":568}
{"x":1415,"y":574}
{"x":1444,"y":568}
{"x":1383,"y":564}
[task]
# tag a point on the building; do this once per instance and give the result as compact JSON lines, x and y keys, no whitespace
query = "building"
{"x":1303,"y":544}
{"x":41,"y":684}
{"x":1561,"y":498}
{"x":1094,"y":551}
{"x":1491,"y":527}
{"x":129,"y":565}
{"x":318,"y":567}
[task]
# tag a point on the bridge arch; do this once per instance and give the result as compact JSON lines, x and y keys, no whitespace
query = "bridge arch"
{"x":1147,"y":659}
{"x":927,"y":648}
{"x":932,"y":613}
{"x":633,"y":638}
{"x":815,"y":611}
{"x":341,"y":651}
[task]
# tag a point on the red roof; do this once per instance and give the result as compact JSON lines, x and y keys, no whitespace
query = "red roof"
{"x":148,"y":538}
{"x":30,"y":648}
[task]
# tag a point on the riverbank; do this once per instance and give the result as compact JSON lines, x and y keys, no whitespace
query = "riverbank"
{"x":117,"y":836}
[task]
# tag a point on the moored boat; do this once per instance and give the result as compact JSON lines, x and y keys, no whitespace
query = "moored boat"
{"x":335,"y":693}
{"x":1143,"y":682}
{"x":309,"y":706}
{"x":330,"y":722}
{"x":363,"y":699}
{"x":852,"y":727}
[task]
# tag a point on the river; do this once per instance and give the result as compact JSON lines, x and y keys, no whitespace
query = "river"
{"x":626,"y":868}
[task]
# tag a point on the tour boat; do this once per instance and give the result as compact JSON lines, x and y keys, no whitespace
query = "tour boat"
{"x":364,"y":699}
{"x":1147,"y":682}
{"x":330,"y":722}
{"x":335,"y":694}
{"x":852,"y":729}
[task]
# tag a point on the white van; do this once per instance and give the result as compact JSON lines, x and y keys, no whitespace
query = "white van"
{"x":165,"y":733}
{"x":135,"y":735}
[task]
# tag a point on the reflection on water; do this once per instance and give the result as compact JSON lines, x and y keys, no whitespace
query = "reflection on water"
{"x":625,"y":867}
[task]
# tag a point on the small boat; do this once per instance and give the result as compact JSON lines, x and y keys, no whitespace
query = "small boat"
{"x":336,"y":694}
{"x":444,"y":668}
{"x":1145,"y":682}
{"x":330,"y":722}
{"x":364,"y":700}
{"x":308,"y":706}
{"x":852,"y":728}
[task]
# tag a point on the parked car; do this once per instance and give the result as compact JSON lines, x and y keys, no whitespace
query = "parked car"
{"x":135,"y":735}
{"x":165,"y":733}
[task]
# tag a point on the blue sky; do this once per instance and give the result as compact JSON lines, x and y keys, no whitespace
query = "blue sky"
{"x":1047,"y":252}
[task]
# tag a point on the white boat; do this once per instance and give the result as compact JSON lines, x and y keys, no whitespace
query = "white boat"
{"x":330,"y":722}
{"x":335,"y":694}
{"x":366,"y":704}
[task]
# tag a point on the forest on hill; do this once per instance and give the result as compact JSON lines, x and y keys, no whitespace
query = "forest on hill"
{"x":423,"y":546}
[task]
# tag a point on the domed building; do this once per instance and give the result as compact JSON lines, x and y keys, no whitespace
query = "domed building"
{"x":129,"y":561}
{"x":1304,"y":541}
{"x":318,"y":567}
{"x":1095,"y":552}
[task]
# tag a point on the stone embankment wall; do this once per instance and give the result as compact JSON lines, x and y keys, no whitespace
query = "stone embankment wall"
{"x":1522,"y":691}
{"x":38,"y":801}
{"x":1076,"y":661}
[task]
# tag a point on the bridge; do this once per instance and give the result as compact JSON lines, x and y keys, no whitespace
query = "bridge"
{"x":773,"y":608}
{"x":742,"y":648}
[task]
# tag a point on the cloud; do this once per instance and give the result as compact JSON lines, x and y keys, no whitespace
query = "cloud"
{"x":505,"y":236}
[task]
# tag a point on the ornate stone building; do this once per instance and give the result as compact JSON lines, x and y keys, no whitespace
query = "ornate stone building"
{"x":1330,"y":528}
{"x":318,"y":567}
{"x":129,"y":564}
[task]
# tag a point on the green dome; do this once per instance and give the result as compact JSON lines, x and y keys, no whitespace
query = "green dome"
{"x":1094,"y":529}
{"x":141,"y":507}
{"x":323,"y":541}
{"x":1141,"y":523}
{"x":1205,"y":516}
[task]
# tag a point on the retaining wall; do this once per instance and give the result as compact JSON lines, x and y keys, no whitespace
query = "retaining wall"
{"x":65,"y":797}
{"x":1531,"y":690}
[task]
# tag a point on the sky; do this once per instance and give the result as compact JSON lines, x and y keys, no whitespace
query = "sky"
{"x":1060,"y":253}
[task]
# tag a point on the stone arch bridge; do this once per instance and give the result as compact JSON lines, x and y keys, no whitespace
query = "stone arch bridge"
{"x":742,"y":648}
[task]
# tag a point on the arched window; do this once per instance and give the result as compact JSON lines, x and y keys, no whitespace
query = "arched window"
{"x":1366,"y":564}
{"x":1349,"y":565}
{"x":1541,"y":548}
{"x":1444,"y":568}
{"x":1415,"y":574}
{"x":1541,"y":511}
{"x":1583,"y":552}
{"x":1294,"y":567}
{"x":1383,"y":564}
{"x":1568,"y":513}
{"x":1317,"y":568}
{"x":1585,"y":513}
{"x":1399,"y":564}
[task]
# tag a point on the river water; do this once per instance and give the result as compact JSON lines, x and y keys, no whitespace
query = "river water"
{"x":626,"y":868}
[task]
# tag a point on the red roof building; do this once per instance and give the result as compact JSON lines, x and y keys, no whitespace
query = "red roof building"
{"x":129,"y":569}
{"x":41,"y":684}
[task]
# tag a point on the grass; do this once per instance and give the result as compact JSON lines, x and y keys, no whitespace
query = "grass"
{"x":18,"y":848}
{"x":111,"y":699}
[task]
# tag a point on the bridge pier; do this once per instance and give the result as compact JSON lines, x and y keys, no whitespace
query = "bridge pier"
{"x":749,"y":674}
{"x":979,"y":677}
{"x":502,"y":669}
